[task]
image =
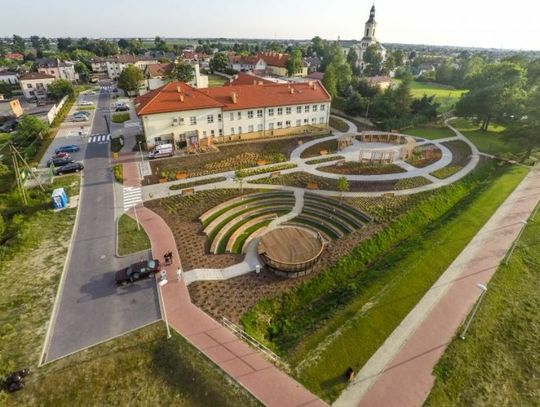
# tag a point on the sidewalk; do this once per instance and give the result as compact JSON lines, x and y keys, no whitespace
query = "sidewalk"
{"x":400,"y":372}
{"x":244,"y":364}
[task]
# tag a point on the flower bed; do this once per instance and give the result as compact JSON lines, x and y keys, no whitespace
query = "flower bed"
{"x":331,"y":146}
{"x":409,"y":183}
{"x":424,"y":155}
{"x":256,"y":171}
{"x":446,"y":172}
{"x":196,"y":183}
{"x":356,"y":168}
{"x":324,"y":160}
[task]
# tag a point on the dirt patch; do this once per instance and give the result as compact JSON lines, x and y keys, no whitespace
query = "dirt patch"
{"x":330,"y":146}
{"x":232,"y":298}
{"x":424,"y":155}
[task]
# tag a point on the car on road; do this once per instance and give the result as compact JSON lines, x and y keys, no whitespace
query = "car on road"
{"x":82,"y":113}
{"x":79,"y":118}
{"x":69,"y":148}
{"x":59,"y":161}
{"x":86,"y":103}
{"x":137,"y":271}
{"x":61,"y":154}
{"x":8,"y":126}
{"x":121,"y":108}
{"x":70,"y":167}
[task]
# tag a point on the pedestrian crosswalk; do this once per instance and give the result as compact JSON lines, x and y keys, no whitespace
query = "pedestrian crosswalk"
{"x":132,"y":197}
{"x":99,"y":138}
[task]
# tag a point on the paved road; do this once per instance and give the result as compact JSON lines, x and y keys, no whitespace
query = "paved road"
{"x":91,"y":308}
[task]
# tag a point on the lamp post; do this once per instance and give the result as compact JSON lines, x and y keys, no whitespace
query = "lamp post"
{"x":514,"y":243}
{"x":163,"y":281}
{"x":484,"y":289}
{"x":142,"y":160}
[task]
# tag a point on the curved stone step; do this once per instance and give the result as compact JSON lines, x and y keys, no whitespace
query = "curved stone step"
{"x":244,"y":227}
{"x":337,"y":211}
{"x":337,"y":221}
{"x":317,"y":220}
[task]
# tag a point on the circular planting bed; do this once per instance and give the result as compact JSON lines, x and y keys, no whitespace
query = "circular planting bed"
{"x":290,"y":251}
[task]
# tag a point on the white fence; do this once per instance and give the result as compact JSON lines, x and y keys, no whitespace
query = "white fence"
{"x":248,"y":338}
{"x":55,"y":109}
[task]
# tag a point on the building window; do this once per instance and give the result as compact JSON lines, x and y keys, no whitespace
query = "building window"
{"x":239,"y":129}
{"x":220,"y":132}
{"x":270,"y":112}
{"x":314,"y":108}
{"x":259,"y":113}
{"x":232,"y":116}
{"x":298,"y":109}
{"x":250,"y":128}
{"x":250,"y":114}
{"x":288,"y":123}
{"x":298,"y":123}
{"x":279,"y":125}
{"x":181,"y":121}
{"x":232,"y":130}
{"x":212,"y":133}
{"x":321,"y":120}
{"x":306,"y":109}
{"x":314,"y":120}
{"x":210,"y":118}
{"x":288,"y":110}
{"x":192,"y":120}
{"x":279,"y":111}
{"x":260,"y":127}
{"x":271,"y":126}
{"x":204,"y":133}
{"x":322,"y":108}
{"x":306,"y":121}
{"x":239,"y":115}
{"x":219,"y":117}
{"x":29,"y":85}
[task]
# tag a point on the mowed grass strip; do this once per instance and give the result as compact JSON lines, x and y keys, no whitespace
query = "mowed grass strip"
{"x":430,"y":133}
{"x":499,"y":362}
{"x":130,"y":238}
{"x":392,"y":287}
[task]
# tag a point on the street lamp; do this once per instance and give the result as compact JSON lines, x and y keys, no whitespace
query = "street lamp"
{"x":514,"y":243}
{"x":484,"y":289}
{"x":163,"y":281}
{"x":142,"y":160}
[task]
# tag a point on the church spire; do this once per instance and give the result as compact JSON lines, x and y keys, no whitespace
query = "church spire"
{"x":372,"y":14}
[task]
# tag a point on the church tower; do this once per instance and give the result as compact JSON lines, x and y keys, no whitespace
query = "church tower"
{"x":368,"y":39}
{"x":371,"y":24}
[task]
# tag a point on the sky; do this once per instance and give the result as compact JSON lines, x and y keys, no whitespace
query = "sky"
{"x":479,"y":23}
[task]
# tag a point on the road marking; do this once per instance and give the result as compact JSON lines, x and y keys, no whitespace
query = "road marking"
{"x":100,"y":138}
{"x":132,"y":197}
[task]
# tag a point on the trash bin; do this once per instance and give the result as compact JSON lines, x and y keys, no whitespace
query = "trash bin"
{"x":59,"y":198}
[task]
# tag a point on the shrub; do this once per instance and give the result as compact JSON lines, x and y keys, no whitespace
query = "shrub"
{"x":256,"y":171}
{"x":120,"y":117}
{"x":118,"y":172}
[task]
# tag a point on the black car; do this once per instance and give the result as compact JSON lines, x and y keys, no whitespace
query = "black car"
{"x":8,"y":126}
{"x":71,"y":167}
{"x":137,"y":271}
{"x":59,"y":161}
{"x":122,"y":108}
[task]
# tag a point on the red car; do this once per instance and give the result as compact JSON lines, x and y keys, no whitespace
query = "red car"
{"x":61,"y":155}
{"x":138,"y":271}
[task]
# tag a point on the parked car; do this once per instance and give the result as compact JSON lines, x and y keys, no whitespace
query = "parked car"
{"x":59,"y":161}
{"x":82,"y":113}
{"x":121,"y":108}
{"x":161,"y":150}
{"x":69,"y":148}
{"x":8,"y":126}
{"x":61,"y":154}
{"x":137,"y":271}
{"x":71,"y":167}
{"x":86,"y":103}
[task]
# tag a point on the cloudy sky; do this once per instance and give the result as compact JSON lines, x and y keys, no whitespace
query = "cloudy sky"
{"x":479,"y":23}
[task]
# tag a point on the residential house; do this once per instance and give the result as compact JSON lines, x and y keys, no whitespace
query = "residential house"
{"x":313,"y":64}
{"x":59,"y":69}
{"x":248,"y":63}
{"x":156,"y":75}
{"x":9,"y":77}
{"x":34,"y":84}
{"x":116,"y":64}
{"x":14,"y":56}
{"x":178,"y":113}
{"x":276,"y":64}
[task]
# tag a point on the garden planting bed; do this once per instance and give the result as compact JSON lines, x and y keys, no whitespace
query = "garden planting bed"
{"x":197,"y":183}
{"x":324,"y":159}
{"x":356,"y":168}
{"x":330,"y":146}
{"x":461,"y":156}
{"x":228,"y":158}
{"x":424,"y":155}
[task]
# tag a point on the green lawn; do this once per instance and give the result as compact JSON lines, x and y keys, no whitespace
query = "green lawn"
{"x":216,"y":80}
{"x":120,"y":117}
{"x":131,"y":239}
{"x":445,"y":95}
{"x":430,"y":133}
{"x":392,"y":288}
{"x":499,"y":362}
{"x":142,"y":368}
{"x":494,"y":141}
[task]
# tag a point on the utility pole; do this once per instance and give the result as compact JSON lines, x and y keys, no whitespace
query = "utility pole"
{"x":20,"y":186}
{"x":484,"y":290}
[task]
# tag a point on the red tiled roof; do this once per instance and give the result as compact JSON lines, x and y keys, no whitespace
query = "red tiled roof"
{"x":36,"y":75}
{"x":168,"y":99}
{"x":158,"y":70}
{"x":243,"y":78}
{"x":274,"y":58}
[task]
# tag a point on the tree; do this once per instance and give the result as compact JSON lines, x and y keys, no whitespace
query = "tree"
{"x":352,"y":58}
{"x":445,"y":73}
{"x":344,"y":77}
{"x":31,"y":127}
{"x":356,"y":104}
{"x":18,"y":44}
{"x":399,"y":57}
{"x":130,"y":79}
{"x":64,"y":44}
{"x":318,"y":45}
{"x":60,"y":88}
{"x":183,"y":72}
{"x":373,"y":60}
{"x":219,"y":62}
{"x":160,"y":44}
{"x":495,"y":92}
{"x":36,"y":42}
{"x":425,"y":107}
{"x":123,"y":43}
{"x":528,"y":129}
{"x":45,"y":43}
{"x":82,"y":70}
{"x":239,"y":179}
{"x":294,"y":62}
{"x":330,"y":80}
{"x":5,"y":90}
{"x":342,"y":186}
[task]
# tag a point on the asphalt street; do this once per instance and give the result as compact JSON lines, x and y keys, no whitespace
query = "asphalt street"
{"x":91,"y":308}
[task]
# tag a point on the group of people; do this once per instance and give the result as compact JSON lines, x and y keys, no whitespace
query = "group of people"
{"x":168,"y":258}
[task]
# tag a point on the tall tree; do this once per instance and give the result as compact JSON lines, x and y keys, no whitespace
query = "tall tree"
{"x":64,"y":44}
{"x":60,"y":88}
{"x":219,"y":62}
{"x":343,"y":77}
{"x":528,"y":129}
{"x":18,"y":44}
{"x":330,"y":80}
{"x":352,"y":58}
{"x":183,"y":72}
{"x":130,"y":79}
{"x":373,"y":60}
{"x":160,"y":44}
{"x":294,"y":62}
{"x":399,"y":57}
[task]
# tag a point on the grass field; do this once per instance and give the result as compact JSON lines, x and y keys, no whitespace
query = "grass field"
{"x":499,"y":364}
{"x":430,"y":133}
{"x":142,"y":368}
{"x":216,"y":80}
{"x":130,"y":239}
{"x":445,"y":95}
{"x":120,"y":117}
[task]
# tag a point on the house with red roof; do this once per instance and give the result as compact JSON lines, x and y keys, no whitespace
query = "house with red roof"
{"x":276,"y":64}
{"x":14,"y":56}
{"x":249,"y":63}
{"x":35,"y":84}
{"x":180,"y":114}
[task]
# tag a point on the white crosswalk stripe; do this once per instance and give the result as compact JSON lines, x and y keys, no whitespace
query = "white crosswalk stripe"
{"x":132,"y":197}
{"x":100,"y":138}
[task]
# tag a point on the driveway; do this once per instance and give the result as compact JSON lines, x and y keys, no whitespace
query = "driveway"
{"x":90,"y":307}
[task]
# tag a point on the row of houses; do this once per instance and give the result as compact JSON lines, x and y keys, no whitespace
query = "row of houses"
{"x":271,"y":63}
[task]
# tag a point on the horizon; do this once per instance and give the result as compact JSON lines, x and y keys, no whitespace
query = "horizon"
{"x":397,"y":23}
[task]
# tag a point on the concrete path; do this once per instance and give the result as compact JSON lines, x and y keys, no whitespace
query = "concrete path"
{"x":400,"y":372}
{"x":245,"y":365}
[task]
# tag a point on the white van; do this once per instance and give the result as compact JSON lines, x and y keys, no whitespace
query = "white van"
{"x":161,"y":150}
